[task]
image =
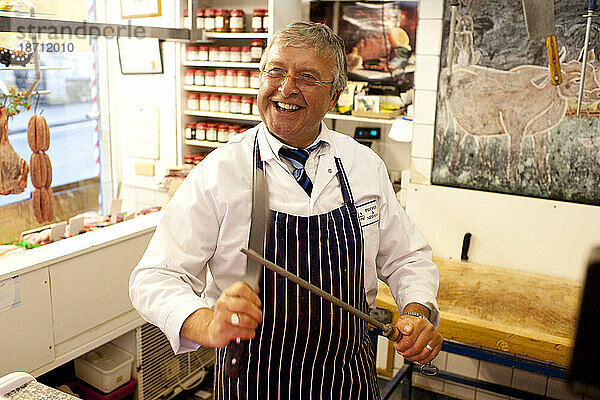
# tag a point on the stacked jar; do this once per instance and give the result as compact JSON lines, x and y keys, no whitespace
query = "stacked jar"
{"x":260,"y":20}
{"x":257,"y":49}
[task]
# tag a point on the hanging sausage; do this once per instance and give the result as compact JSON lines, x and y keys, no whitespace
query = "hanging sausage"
{"x":38,"y":136}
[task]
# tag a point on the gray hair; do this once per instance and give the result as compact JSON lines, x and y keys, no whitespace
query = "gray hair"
{"x":316,"y":36}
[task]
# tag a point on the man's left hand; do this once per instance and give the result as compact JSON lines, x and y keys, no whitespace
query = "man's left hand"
{"x":420,"y":341}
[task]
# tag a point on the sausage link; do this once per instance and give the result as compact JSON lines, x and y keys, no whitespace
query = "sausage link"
{"x":47,"y":204}
{"x":38,"y":170}
{"x":48,"y":167}
{"x":31,"y":133}
{"x":42,"y":133}
{"x":36,"y":199}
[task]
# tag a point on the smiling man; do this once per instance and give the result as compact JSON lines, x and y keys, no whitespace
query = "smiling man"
{"x":334,"y":221}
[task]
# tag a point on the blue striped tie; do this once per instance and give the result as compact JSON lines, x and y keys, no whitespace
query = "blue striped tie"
{"x":298,"y":157}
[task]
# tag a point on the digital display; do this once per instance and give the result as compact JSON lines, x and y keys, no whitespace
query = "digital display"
{"x":367,"y":133}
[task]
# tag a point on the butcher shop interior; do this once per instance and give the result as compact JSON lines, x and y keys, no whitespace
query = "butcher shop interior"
{"x":378,"y":199}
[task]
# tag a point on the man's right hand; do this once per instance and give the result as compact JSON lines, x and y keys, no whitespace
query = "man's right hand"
{"x":237,"y":313}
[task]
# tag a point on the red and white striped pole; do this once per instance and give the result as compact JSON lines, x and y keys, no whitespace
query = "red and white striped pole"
{"x":95,"y":109}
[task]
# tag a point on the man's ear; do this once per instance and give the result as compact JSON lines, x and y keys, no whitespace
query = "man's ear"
{"x":334,"y":98}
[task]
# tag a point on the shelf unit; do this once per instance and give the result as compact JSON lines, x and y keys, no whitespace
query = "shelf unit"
{"x":220,"y":89}
{"x":353,"y":118}
{"x":203,"y":143}
{"x":221,"y":64}
{"x":243,"y":35}
{"x":223,"y":116}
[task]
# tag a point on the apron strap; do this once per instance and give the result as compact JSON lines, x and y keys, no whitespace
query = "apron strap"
{"x":344,"y":184}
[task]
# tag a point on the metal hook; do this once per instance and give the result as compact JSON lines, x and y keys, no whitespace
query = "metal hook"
{"x":429,"y":369}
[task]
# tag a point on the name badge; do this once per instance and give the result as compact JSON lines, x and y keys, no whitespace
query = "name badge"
{"x":368,"y":213}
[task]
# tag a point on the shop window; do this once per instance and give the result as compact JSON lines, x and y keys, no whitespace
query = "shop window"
{"x":70,"y":106}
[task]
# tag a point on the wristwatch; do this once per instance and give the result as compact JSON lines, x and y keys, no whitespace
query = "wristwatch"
{"x":416,"y":314}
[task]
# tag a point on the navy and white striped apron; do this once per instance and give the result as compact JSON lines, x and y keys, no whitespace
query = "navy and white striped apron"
{"x":307,"y":348}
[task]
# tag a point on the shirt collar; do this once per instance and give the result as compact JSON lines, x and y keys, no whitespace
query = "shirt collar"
{"x":269,"y":144}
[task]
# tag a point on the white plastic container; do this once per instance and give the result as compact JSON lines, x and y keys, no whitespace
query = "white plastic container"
{"x":105,"y":368}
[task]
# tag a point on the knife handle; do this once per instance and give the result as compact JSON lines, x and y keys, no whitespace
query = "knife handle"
{"x":591,"y":5}
{"x":553,"y":60}
{"x":236,"y":358}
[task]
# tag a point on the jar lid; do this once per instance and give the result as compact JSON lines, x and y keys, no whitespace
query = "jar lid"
{"x":204,"y":96}
{"x":199,"y":72}
{"x":186,"y":12}
{"x":254,"y":73}
{"x":220,"y":71}
{"x":213,"y":48}
{"x":235,"y":48}
{"x":246,"y":48}
{"x":224,"y":48}
{"x":254,"y":101}
{"x":242,"y":72}
{"x":257,"y":42}
{"x":203,"y":48}
{"x":225,"y":97}
{"x":237,"y":12}
{"x":200,"y":12}
{"x":221,"y":11}
{"x":209,"y":72}
{"x":191,"y":95}
{"x":235,"y":98}
{"x":209,"y":12}
{"x":200,"y":124}
{"x":189,"y":71}
{"x":246,"y":99}
{"x":190,"y":125}
{"x":211,"y":125}
{"x":223,"y":126}
{"x":214,"y":96}
{"x":230,"y":72}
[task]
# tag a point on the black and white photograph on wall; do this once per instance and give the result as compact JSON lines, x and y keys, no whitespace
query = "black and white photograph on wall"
{"x":380,"y":38}
{"x":506,"y":121}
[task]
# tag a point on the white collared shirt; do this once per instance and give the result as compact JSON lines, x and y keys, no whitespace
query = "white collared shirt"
{"x":208,"y":220}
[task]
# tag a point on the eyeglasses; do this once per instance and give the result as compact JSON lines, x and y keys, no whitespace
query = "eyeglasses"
{"x":306,"y":81}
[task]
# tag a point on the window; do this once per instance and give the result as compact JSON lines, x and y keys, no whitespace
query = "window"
{"x":70,"y":108}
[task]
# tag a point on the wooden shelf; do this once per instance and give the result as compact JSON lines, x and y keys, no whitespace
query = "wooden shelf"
{"x":210,"y":114}
{"x":223,"y":64}
{"x":203,"y":143}
{"x":220,"y":89}
{"x":353,"y":118}
{"x":243,"y":35}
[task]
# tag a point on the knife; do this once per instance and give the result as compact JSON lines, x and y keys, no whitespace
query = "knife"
{"x":591,"y":12}
{"x":237,"y":351}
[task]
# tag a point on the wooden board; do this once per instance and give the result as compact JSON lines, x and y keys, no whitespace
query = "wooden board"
{"x":517,"y":312}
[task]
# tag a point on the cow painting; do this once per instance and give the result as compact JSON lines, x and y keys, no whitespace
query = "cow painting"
{"x":520,"y":102}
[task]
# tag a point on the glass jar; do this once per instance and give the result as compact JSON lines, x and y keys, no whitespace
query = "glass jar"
{"x":257,"y":20}
{"x":200,"y":18}
{"x":265,"y":21}
{"x":233,"y":130}
{"x":220,"y":77}
{"x":188,"y":159}
{"x":234,"y":104}
{"x":192,"y":101}
{"x":187,"y":22}
{"x":224,"y":53}
{"x":230,"y":78}
{"x":255,"y":79}
{"x":209,"y":20}
{"x":243,"y":79}
{"x":204,"y":102}
{"x":200,"y":131}
{"x":190,"y":131}
{"x":214,"y":103}
{"x":222,"y":133}
{"x":255,"y":107}
{"x":246,"y":54}
{"x":236,"y":21}
{"x":224,"y":103}
{"x":202,"y":53}
{"x":214,"y":54}
{"x":189,"y":77}
{"x":246,"y":105}
{"x":199,"y":78}
{"x":222,"y":20}
{"x":235,"y":54}
{"x":209,"y":78}
{"x":191,"y":53}
{"x":257,"y":49}
{"x":211,"y":132}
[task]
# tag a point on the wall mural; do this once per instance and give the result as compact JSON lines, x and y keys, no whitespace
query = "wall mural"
{"x":501,"y":125}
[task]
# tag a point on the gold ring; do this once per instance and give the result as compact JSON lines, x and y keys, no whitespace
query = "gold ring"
{"x":235,"y":319}
{"x":428,"y":347}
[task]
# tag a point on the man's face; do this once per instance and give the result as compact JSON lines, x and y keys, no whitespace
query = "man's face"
{"x":294,"y":115}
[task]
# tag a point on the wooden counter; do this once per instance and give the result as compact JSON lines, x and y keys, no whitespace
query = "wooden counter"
{"x":517,"y":312}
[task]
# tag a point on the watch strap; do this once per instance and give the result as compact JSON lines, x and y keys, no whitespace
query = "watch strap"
{"x":416,"y":314}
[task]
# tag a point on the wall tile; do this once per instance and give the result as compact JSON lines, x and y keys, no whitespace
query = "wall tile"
{"x":425,"y":106}
{"x":421,"y":170}
{"x":485,"y":395}
{"x":525,"y":380}
{"x":428,"y":383}
{"x":429,"y":37}
{"x":427,"y":72}
{"x":462,"y":365}
{"x":431,"y":9}
{"x":495,"y":373}
{"x":396,"y":155}
{"x":441,"y":360}
{"x":559,"y":389}
{"x":459,"y":391}
{"x":422,"y":143}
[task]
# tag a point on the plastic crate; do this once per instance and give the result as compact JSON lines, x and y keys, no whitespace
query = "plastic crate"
{"x":105,"y":368}
{"x":89,"y":393}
